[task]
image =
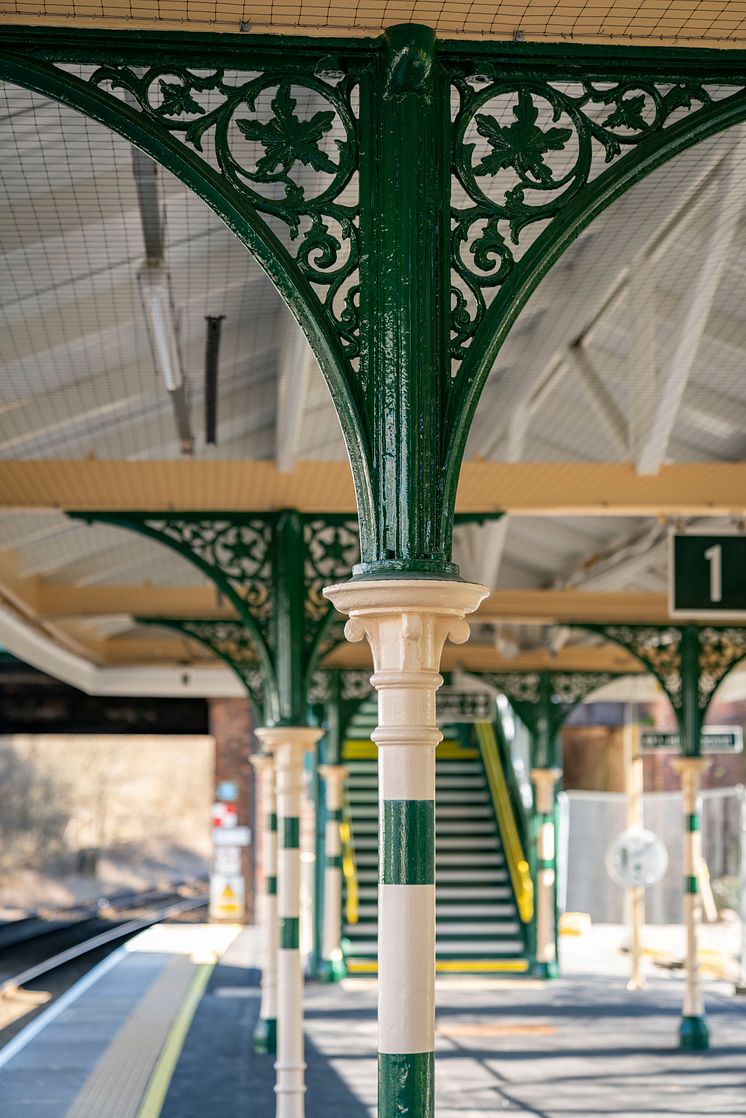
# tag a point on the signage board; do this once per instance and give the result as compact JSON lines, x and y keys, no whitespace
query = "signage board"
{"x":227,"y":896}
{"x":227,"y":790}
{"x":224,"y":815}
{"x":233,"y":836}
{"x":464,"y":706}
{"x":227,"y":859}
{"x":707,"y":574}
{"x":716,"y":739}
{"x":636,"y":859}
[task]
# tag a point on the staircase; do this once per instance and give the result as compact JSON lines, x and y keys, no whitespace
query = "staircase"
{"x":478,"y":927}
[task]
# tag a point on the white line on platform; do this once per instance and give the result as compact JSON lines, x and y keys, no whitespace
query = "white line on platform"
{"x":47,"y":1016}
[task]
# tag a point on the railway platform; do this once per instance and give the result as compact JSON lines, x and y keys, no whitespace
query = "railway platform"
{"x":162,"y":1029}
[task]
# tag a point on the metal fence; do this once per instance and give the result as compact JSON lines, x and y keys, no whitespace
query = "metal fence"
{"x":589,"y":821}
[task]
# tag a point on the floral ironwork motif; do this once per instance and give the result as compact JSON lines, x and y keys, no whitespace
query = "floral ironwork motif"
{"x":230,"y":641}
{"x":356,"y":685}
{"x":571,"y":688}
{"x":566,"y":690}
{"x":288,"y":144}
{"x":521,"y":687}
{"x":719,"y":651}
{"x":332,"y":549}
{"x":526,"y":148}
{"x":235,"y":552}
{"x":658,"y":648}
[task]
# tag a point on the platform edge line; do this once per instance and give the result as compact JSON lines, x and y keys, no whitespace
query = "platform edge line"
{"x":160,"y":1080}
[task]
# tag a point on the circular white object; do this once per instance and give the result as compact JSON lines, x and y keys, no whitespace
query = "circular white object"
{"x":636,"y":859}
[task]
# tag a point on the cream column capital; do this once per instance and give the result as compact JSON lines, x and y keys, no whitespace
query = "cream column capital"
{"x":544,"y":781}
{"x":304,"y":737}
{"x":690,"y":765}
{"x":334,"y":773}
{"x":406,"y":620}
{"x":262,"y":760}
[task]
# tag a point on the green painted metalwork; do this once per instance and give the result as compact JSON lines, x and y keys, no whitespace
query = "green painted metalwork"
{"x":406,"y":196}
{"x":689,"y":661}
{"x":273,"y":568}
{"x":543,"y":701}
{"x":230,"y":642}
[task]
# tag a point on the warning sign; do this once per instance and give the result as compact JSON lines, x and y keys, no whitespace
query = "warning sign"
{"x":227,"y":898}
{"x":224,"y":815}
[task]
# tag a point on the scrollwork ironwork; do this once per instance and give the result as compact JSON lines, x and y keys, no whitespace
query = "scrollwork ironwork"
{"x":233,"y":551}
{"x":719,"y":651}
{"x":332,"y":549}
{"x":230,"y":641}
{"x":524,"y":150}
{"x":287,"y":142}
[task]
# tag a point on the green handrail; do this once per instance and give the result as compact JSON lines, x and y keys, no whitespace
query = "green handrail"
{"x":518,"y":867}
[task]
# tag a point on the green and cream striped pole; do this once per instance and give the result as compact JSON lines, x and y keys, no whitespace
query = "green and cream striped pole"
{"x":693,"y":1032}
{"x":544,"y":781}
{"x":289,"y":743}
{"x":406,"y":622}
{"x":332,"y":959}
{"x":265,"y":1033}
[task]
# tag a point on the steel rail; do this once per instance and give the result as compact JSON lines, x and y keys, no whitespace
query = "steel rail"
{"x":12,"y":985}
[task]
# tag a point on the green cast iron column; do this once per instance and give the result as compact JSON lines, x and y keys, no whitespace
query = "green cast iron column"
{"x":404,"y":234}
{"x":405,"y":299}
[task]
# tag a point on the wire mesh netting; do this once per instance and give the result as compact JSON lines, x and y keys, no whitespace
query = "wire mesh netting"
{"x":685,"y":21}
{"x":595,"y":819}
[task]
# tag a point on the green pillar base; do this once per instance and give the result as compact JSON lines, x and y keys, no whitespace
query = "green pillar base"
{"x":265,"y":1036}
{"x":406,"y":1085}
{"x":332,"y":970}
{"x":545,"y":970}
{"x":694,"y":1035}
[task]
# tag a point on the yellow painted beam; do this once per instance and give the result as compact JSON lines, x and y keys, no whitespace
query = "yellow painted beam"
{"x":537,"y":607}
{"x":53,"y":599}
{"x":521,"y":488}
{"x":542,"y":607}
{"x":484,"y":657}
{"x":683,"y":23}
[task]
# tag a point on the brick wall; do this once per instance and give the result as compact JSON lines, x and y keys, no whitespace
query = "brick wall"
{"x":232,"y":726}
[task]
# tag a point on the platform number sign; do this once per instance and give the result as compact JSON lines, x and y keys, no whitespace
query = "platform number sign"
{"x":707,"y":576}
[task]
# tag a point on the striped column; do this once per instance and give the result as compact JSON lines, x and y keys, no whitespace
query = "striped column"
{"x":308,"y":865}
{"x":693,"y":1032}
{"x":265,"y":1033}
{"x":406,"y":622}
{"x":544,"y":781}
{"x":332,"y":960}
{"x":289,"y":744}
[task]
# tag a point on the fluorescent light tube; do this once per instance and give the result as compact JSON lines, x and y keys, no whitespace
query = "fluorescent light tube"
{"x":155,"y":291}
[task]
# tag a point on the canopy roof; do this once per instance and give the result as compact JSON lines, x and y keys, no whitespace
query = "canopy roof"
{"x":563,"y":439}
{"x":658,"y":22}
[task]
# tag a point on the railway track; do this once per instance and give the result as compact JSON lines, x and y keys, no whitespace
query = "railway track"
{"x":46,"y":920}
{"x":38,"y":968}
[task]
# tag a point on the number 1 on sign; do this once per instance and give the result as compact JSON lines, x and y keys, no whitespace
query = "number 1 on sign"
{"x":714,"y":556}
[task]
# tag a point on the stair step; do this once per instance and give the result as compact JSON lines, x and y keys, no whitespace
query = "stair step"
{"x":444,"y":827}
{"x":485,"y":843}
{"x":446,"y":929}
{"x":474,"y":948}
{"x":455,"y":911}
{"x":445,"y":811}
{"x":368,"y":876}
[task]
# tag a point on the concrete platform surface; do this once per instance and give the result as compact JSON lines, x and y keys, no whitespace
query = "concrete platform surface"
{"x":165,"y":1032}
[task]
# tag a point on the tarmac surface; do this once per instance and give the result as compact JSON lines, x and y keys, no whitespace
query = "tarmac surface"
{"x":581,"y":1045}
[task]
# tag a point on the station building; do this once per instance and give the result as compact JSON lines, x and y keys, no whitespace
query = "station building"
{"x":373,"y":377}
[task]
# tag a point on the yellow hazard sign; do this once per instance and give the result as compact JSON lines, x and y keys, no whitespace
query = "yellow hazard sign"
{"x":226,"y":896}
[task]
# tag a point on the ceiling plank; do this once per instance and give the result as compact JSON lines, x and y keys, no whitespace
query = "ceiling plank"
{"x":520,"y":488}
